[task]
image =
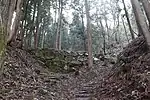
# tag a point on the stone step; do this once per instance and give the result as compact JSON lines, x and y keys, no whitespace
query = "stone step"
{"x":82,"y":99}
{"x":83,"y":92}
{"x":82,"y":95}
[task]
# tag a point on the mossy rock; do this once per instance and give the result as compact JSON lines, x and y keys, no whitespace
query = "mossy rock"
{"x":57,"y":60}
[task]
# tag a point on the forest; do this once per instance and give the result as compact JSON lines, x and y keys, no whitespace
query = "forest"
{"x":74,"y":49}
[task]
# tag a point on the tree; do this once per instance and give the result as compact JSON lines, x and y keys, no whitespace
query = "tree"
{"x":127,"y":16}
{"x":140,"y":19}
{"x":146,"y":5}
{"x":89,"y":37}
{"x":77,"y":28}
{"x":15,"y":24}
{"x":104,"y":37}
{"x":4,"y":15}
{"x":37,"y":26}
{"x":125,"y":28}
{"x":59,"y":24}
{"x":11,"y":12}
{"x":77,"y":33}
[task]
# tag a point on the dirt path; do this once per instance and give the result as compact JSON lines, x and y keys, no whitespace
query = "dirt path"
{"x":23,"y":78}
{"x":82,"y":87}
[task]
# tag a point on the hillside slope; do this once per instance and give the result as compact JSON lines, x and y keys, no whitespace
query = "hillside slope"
{"x":130,"y":76}
{"x":24,"y":77}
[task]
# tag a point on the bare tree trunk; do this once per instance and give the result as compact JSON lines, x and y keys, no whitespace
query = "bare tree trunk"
{"x":140,"y":18}
{"x":24,"y":21}
{"x":43,"y":34}
{"x":117,"y":30}
{"x":11,"y":12}
{"x":58,"y":25}
{"x":13,"y":33}
{"x":146,"y":6}
{"x":125,"y":29}
{"x":106,"y":22}
{"x":128,"y":20}
{"x":58,"y":33}
{"x":32,"y":28}
{"x":89,"y":32}
{"x":104,"y":37}
{"x":83,"y":30}
{"x":5,"y":13}
{"x":36,"y":33}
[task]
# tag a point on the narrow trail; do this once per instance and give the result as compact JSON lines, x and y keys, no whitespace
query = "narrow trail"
{"x":85,"y":93}
{"x":24,"y":78}
{"x":82,"y":87}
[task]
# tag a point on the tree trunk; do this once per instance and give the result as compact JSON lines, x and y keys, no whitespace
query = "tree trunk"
{"x":140,"y":18}
{"x":32,"y":28}
{"x":83,"y":30}
{"x":146,"y":6}
{"x":43,"y":34}
{"x":103,"y":34}
{"x":58,"y":33}
{"x":36,"y":33}
{"x":13,"y":33}
{"x":106,"y":22}
{"x":11,"y":12}
{"x":125,"y":29}
{"x":128,"y":20}
{"x":89,"y":37}
{"x":4,"y":14}
{"x":24,"y":22}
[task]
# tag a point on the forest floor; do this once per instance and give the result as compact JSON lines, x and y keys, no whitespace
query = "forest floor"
{"x":24,"y":78}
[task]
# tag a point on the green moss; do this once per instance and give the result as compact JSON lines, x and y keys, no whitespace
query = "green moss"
{"x":2,"y":48}
{"x":2,"y":41}
{"x":54,"y":60}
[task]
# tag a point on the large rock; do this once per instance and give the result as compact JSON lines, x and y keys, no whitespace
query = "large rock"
{"x":59,"y":60}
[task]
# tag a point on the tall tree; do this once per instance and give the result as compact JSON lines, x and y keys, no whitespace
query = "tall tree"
{"x":128,"y":20}
{"x":4,"y":12}
{"x":58,"y":33}
{"x":125,"y":28}
{"x":11,"y":12}
{"x":15,"y":25}
{"x":89,"y":37}
{"x":37,"y":23}
{"x":146,"y":5}
{"x":104,"y":37}
{"x":4,"y":15}
{"x":83,"y":30}
{"x":140,"y":18}
{"x":24,"y":22}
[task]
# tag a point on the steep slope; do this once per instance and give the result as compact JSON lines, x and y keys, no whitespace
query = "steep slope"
{"x":130,"y":76}
{"x":24,"y":79}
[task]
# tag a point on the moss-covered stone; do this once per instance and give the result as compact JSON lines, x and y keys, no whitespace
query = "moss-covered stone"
{"x":58,"y":61}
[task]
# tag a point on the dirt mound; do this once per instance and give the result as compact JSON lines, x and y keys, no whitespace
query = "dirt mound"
{"x":130,"y":77}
